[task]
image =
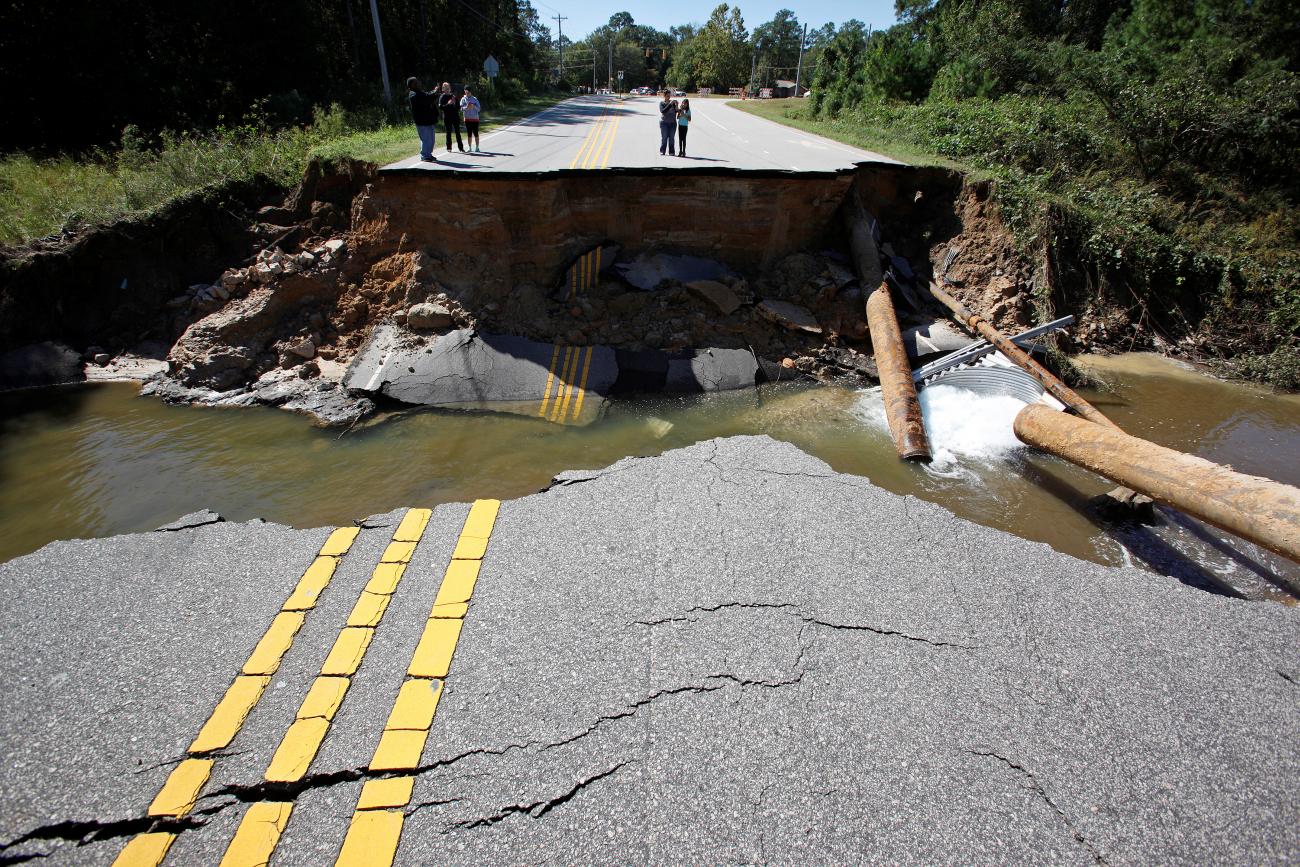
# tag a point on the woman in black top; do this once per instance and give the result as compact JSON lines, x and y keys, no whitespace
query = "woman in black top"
{"x":449,"y":105}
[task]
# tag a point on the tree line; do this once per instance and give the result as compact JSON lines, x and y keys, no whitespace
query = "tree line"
{"x":77,"y":74}
{"x":1167,"y":88}
{"x":720,"y":52}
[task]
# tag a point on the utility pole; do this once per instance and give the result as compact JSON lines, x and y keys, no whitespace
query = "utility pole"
{"x":611,"y":62}
{"x":383,"y":59}
{"x":798,"y":70}
{"x":559,"y":26}
{"x":753,"y":67}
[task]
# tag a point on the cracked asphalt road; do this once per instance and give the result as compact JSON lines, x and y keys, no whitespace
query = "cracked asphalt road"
{"x":726,"y":653}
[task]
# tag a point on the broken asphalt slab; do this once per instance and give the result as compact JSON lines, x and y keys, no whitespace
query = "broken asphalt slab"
{"x":465,"y":369}
{"x":728,"y":652}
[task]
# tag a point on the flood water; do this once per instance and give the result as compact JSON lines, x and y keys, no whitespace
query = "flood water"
{"x":97,"y":460}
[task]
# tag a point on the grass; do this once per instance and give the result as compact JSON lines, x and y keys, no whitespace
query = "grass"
{"x":40,"y":197}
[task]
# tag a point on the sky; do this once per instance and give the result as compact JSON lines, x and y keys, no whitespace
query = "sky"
{"x":584,"y":17}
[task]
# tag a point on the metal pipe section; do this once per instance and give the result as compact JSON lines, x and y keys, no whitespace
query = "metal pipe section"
{"x":1054,"y":386}
{"x":902,"y":409}
{"x":1258,"y":509}
{"x":981,"y":348}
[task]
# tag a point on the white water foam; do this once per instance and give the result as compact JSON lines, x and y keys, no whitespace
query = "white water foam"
{"x":964,"y":428}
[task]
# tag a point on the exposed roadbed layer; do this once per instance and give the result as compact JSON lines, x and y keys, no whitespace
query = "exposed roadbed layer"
{"x":726,"y":653}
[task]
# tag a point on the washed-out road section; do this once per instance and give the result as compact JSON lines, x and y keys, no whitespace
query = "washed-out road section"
{"x":726,"y":653}
{"x":606,"y":132}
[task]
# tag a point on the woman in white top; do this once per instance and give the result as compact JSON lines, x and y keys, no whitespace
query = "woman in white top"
{"x":470,"y":107}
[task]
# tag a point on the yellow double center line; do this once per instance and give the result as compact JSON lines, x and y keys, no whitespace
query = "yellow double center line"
{"x":260,"y":830}
{"x":585,"y":272}
{"x":570,"y":385}
{"x":596,"y":147}
{"x":181,"y":790}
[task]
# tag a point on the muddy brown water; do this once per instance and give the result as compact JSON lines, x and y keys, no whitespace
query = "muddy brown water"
{"x":98,"y":460}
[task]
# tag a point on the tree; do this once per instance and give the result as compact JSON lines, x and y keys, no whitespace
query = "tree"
{"x":777,"y":44}
{"x":621,"y":20}
{"x":721,"y":50}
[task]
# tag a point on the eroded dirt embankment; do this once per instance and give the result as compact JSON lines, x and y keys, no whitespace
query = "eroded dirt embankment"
{"x":278,"y":299}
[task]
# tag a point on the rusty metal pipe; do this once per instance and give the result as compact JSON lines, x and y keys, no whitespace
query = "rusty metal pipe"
{"x":1054,"y":386}
{"x":902,"y":409}
{"x":1258,"y":509}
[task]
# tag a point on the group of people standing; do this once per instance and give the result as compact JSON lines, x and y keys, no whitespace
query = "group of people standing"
{"x":427,"y":106}
{"x":673,"y":116}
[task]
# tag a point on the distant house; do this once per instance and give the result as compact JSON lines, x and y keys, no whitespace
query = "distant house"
{"x":787,"y":88}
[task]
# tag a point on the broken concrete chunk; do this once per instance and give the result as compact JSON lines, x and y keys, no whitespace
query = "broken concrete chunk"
{"x":428,"y":316}
{"x":193,"y":519}
{"x":647,"y":271}
{"x":718,"y":294}
{"x":335,"y":246}
{"x":469,"y":370}
{"x":712,"y":370}
{"x":788,"y":315}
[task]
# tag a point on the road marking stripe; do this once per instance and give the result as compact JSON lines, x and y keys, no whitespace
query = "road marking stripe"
{"x":372,"y":838}
{"x":573,"y":377}
{"x":178,"y":794}
{"x":349,"y":649}
{"x":228,"y":717}
{"x":376,"y":827}
{"x":230,"y":713}
{"x":609,"y":144}
{"x":593,"y":157}
{"x":398,"y":552}
{"x":582,"y":387}
{"x":550,"y":377}
{"x":258,"y":834}
{"x":386,"y":793}
{"x":566,"y":376}
{"x":590,"y":137}
{"x":312,"y":583}
{"x":296,"y":750}
{"x":146,"y":849}
{"x":324,"y":697}
{"x":301,"y":743}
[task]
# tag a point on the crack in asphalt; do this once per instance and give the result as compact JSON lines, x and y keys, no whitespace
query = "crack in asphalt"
{"x":536,"y":809}
{"x":1042,"y":793}
{"x":795,"y":610}
{"x":84,"y":832}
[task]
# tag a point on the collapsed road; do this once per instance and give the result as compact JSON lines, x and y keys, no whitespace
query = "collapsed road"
{"x":653,"y":665}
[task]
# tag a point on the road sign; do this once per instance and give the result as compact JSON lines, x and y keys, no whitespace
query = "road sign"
{"x":620,"y":75}
{"x":490,"y":67}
